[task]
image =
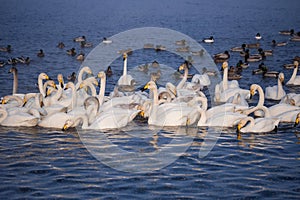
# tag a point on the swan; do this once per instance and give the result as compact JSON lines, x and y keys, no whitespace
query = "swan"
{"x":168,"y":114}
{"x":294,"y":80}
{"x":258,"y":125}
{"x":276,"y":92}
{"x":225,"y":84}
{"x":238,"y":100}
{"x":14,"y":71}
{"x":222,"y":119}
{"x":125,"y":79}
{"x":291,"y":98}
{"x":56,"y":120}
{"x":225,"y":95}
{"x":19,"y":119}
{"x":290,"y":116}
{"x":42,"y":76}
{"x":203,"y":79}
{"x":183,"y":84}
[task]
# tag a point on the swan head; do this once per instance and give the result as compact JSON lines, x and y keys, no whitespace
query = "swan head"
{"x":224,"y":65}
{"x":150,"y":85}
{"x":183,"y":66}
{"x":241,"y":124}
{"x":281,"y":77}
{"x":44,"y":76}
{"x":297,"y":120}
{"x":60,"y":79}
{"x":125,"y":56}
{"x":101,"y":75}
{"x":296,"y":63}
{"x":68,"y":124}
{"x":87,"y":70}
{"x":13,"y":70}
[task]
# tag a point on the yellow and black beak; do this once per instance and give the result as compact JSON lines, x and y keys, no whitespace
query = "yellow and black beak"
{"x":65,"y":127}
{"x":296,"y":122}
{"x":124,"y":56}
{"x":251,"y":93}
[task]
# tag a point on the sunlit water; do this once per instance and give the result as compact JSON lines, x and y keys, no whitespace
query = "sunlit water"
{"x":38,"y":162}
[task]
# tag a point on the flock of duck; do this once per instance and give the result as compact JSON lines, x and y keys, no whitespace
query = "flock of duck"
{"x":63,"y":105}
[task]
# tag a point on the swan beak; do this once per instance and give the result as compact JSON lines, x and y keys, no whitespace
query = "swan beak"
{"x":4,"y":101}
{"x":142,"y":113}
{"x":65,"y":127}
{"x":252,"y":93}
{"x":47,"y":77}
{"x":146,"y":87}
{"x":296,"y":122}
{"x":24,"y":102}
{"x":239,"y":128}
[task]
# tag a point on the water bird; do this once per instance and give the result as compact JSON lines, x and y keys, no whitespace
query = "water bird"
{"x":258,"y":36}
{"x":85,"y":44}
{"x":61,"y":45}
{"x":6,"y":49}
{"x":41,"y":53}
{"x":106,"y":41}
{"x":287,"y":32}
{"x":181,"y":42}
{"x":148,"y":46}
{"x":79,"y":39}
{"x":72,"y":77}
{"x":294,"y":80}
{"x":109,"y":71}
{"x":209,"y":40}
{"x":221,"y":57}
{"x":295,"y":38}
{"x":80,"y":56}
{"x":276,"y":92}
{"x":71,"y":52}
{"x":239,"y":48}
{"x":278,"y":44}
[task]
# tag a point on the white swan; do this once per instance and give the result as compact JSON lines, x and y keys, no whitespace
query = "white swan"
{"x":294,"y":80}
{"x":167,"y":114}
{"x":258,"y":125}
{"x":19,"y":119}
{"x":221,"y":119}
{"x":276,"y":92}
{"x":291,"y":98}
{"x":225,"y":84}
{"x":203,"y":79}
{"x":290,"y":116}
{"x":238,"y":100}
{"x":82,"y":71}
{"x":125,"y":79}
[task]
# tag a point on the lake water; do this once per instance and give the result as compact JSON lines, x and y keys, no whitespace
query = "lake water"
{"x":45,"y":163}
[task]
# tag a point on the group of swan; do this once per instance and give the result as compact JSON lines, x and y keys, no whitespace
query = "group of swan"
{"x":59,"y":105}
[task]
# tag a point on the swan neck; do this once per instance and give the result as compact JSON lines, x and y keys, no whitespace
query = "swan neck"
{"x":261,"y":100}
{"x":15,"y":84}
{"x":294,"y":74}
{"x":102,"y":90}
{"x":203,"y":117}
{"x":125,"y":67}
{"x":225,"y":78}
{"x":184,"y":78}
{"x":41,"y":86}
{"x":155,"y":96}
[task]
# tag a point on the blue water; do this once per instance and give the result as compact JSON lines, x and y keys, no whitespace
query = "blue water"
{"x":38,"y":162}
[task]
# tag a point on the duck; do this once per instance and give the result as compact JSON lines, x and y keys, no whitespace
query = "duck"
{"x":85,"y":44}
{"x":41,"y":53}
{"x":79,"y":39}
{"x":148,"y":46}
{"x":221,"y":57}
{"x":294,"y":80}
{"x":23,"y":60}
{"x":239,"y":48}
{"x":278,"y":44}
{"x":254,"y":45}
{"x":2,"y":63}
{"x":80,"y":56}
{"x":209,"y":40}
{"x":12,"y":61}
{"x":71,"y":52}
{"x":160,"y":48}
{"x":183,"y":49}
{"x":242,"y":65}
{"x":198,"y":53}
{"x":154,"y":64}
{"x":180,"y":42}
{"x":72,"y":77}
{"x":289,"y":66}
{"x":6,"y":49}
{"x":265,"y":52}
{"x":287,"y":32}
{"x":109,"y":71}
{"x":125,"y":79}
{"x":61,"y":45}
{"x":295,"y":38}
{"x":276,"y":92}
{"x":252,"y":58}
{"x":258,"y":36}
{"x":258,"y":125}
{"x":106,"y":41}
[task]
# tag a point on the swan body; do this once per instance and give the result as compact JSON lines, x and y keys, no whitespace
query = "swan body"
{"x":258,"y":125}
{"x":19,"y":119}
{"x":56,"y":120}
{"x":276,"y":92}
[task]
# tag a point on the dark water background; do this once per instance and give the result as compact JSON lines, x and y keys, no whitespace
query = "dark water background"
{"x":44,"y":163}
